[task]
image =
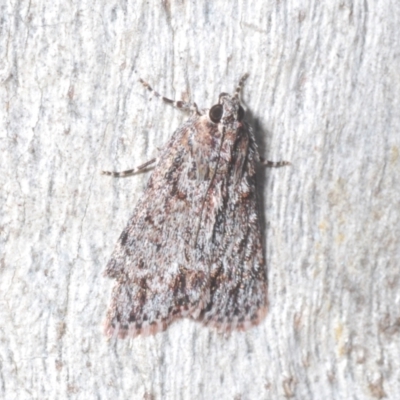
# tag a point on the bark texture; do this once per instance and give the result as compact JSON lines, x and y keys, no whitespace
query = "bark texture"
{"x":323,"y":93}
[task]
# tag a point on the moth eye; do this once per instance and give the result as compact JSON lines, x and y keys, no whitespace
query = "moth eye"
{"x":240,"y":113}
{"x":216,"y":113}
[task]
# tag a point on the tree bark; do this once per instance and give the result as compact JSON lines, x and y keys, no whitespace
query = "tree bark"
{"x":323,"y":93}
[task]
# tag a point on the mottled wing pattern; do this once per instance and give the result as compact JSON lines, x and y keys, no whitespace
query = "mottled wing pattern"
{"x":157,"y":277}
{"x":192,"y":247}
{"x":238,"y":279}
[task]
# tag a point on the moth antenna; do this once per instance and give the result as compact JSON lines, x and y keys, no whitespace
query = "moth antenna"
{"x":240,"y":85}
{"x":182,"y":105}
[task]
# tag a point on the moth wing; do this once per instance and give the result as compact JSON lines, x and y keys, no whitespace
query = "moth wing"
{"x":158,"y":280}
{"x":238,"y":280}
{"x":238,"y":285}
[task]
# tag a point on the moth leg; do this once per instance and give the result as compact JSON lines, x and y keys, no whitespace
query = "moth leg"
{"x":182,"y":105}
{"x":274,"y":164}
{"x":129,"y":172}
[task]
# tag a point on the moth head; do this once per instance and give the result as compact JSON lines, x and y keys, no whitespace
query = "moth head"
{"x":228,"y":108}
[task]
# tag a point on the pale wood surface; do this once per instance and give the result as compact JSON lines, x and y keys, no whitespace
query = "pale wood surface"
{"x":323,"y":93}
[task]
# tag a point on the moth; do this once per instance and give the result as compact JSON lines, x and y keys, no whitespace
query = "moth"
{"x":193,"y":247}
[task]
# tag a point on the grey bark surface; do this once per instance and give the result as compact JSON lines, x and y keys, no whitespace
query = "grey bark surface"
{"x":323,"y":93}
